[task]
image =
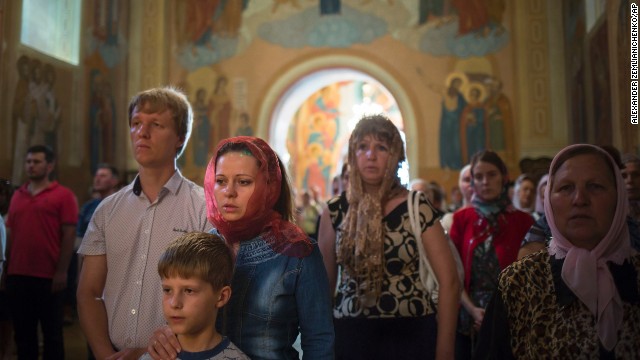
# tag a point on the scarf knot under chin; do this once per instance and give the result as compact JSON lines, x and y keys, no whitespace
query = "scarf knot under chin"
{"x":491,"y":210}
{"x":586,"y":271}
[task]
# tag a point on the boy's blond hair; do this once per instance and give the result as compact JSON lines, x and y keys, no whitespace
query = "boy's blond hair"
{"x":201,"y":255}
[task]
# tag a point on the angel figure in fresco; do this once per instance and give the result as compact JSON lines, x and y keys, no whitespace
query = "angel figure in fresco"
{"x":453,"y":103}
{"x":201,"y":129}
{"x":221,"y":108}
{"x":473,"y":123}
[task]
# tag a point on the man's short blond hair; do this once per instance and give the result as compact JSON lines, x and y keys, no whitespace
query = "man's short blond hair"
{"x":162,"y":98}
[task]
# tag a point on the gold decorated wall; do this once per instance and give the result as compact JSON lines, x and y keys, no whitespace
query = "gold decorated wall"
{"x":526,"y":88}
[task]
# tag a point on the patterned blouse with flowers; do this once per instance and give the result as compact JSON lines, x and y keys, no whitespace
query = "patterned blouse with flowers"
{"x":402,"y":293}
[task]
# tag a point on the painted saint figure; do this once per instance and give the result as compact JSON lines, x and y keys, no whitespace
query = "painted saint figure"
{"x":202,"y":127}
{"x":453,"y":104}
{"x":472,"y":124}
{"x":221,"y":108}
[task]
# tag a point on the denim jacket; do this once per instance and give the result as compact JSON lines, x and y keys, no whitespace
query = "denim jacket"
{"x":273,"y":297}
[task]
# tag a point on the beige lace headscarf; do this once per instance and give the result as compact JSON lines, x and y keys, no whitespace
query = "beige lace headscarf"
{"x":361,"y":247}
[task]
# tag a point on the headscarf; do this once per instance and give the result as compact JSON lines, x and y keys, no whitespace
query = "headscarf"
{"x":260,"y":217}
{"x":582,"y":266}
{"x":361,"y":246}
{"x":491,"y":210}
{"x":539,"y":203}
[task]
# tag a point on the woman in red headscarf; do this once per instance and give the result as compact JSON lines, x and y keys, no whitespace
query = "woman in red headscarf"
{"x":279,"y":286}
{"x":580,"y":296}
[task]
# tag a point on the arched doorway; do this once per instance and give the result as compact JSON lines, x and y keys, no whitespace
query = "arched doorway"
{"x":315,"y":118}
{"x":309,"y":113}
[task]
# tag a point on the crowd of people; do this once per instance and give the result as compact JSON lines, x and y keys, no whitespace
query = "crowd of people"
{"x":167,"y":269}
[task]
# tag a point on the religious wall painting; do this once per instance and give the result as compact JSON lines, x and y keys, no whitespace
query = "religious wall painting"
{"x":475,"y":115}
{"x":324,"y":27}
{"x":107,"y":38}
{"x":202,"y":133}
{"x":461,"y":28}
{"x":206,"y":31}
{"x":102,"y":118}
{"x":244,"y":125}
{"x":312,"y":139}
{"x":435,"y":12}
{"x":214,"y":114}
{"x":318,"y":135}
{"x":37,"y":113}
{"x":104,"y":61}
{"x":600,"y":85}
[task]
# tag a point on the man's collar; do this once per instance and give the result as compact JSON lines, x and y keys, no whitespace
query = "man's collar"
{"x":172,"y":185}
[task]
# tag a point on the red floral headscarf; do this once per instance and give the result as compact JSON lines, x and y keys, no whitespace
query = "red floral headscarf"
{"x":260,"y":217}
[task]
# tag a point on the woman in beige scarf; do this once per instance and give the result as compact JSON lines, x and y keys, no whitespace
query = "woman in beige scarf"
{"x":381,"y":308}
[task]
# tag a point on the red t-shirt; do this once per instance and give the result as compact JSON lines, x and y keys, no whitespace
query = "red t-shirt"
{"x":36,"y":229}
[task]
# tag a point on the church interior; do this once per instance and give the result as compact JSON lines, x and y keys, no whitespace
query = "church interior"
{"x":538,"y":75}
{"x":523,"y":78}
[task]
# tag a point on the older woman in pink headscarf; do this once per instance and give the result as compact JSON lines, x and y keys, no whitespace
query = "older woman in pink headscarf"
{"x":581,"y":295}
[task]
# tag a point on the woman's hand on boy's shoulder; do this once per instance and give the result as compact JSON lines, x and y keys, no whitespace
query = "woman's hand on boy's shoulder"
{"x":163,"y":344}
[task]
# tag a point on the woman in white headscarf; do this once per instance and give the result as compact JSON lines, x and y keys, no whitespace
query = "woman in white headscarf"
{"x":581,"y":296}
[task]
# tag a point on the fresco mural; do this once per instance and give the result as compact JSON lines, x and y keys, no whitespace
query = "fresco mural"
{"x":214,"y":113}
{"x":107,"y":49}
{"x":471,"y":28}
{"x":106,"y":37}
{"x":102,"y":119}
{"x":311,"y":27}
{"x":202,"y":128}
{"x":207,"y":31}
{"x":475,"y":115}
{"x":244,"y":128}
{"x":36,"y":112}
{"x":318,"y":133}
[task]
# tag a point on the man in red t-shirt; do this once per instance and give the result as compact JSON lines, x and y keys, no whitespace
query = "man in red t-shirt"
{"x":41,"y":225}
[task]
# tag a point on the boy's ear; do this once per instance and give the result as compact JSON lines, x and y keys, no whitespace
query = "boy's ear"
{"x":225,"y":295}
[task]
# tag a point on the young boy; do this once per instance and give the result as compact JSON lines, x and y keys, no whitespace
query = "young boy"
{"x":196,"y":271}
